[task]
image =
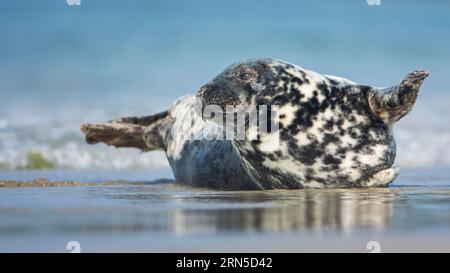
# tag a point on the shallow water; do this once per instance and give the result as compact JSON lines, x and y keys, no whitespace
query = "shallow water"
{"x":412,"y":215}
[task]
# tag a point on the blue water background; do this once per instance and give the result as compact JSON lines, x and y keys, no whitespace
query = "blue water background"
{"x":62,"y":65}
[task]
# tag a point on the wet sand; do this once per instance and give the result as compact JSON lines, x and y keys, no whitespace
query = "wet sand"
{"x":111,"y":213}
{"x":44,"y":182}
{"x":40,"y":182}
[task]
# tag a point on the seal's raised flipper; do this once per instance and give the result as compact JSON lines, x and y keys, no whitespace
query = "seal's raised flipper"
{"x":133,"y":132}
{"x":391,"y":104}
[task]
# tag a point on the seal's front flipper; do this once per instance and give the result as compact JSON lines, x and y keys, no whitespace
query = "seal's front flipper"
{"x":381,"y":179}
{"x":143,"y":133}
{"x":115,"y":134}
{"x":391,"y":104}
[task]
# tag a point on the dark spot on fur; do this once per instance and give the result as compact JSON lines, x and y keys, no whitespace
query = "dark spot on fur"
{"x":331,"y":160}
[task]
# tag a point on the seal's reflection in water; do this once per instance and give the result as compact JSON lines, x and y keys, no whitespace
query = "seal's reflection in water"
{"x":188,"y":211}
{"x":342,"y":210}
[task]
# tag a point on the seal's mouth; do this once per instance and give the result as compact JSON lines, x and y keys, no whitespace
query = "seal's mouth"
{"x":211,"y":103}
{"x":200,"y":103}
{"x":211,"y":112}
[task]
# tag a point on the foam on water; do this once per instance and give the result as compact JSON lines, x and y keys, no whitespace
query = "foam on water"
{"x":423,"y":139}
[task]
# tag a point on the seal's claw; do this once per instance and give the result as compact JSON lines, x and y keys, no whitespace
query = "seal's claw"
{"x":414,"y":80}
{"x":417,"y":74}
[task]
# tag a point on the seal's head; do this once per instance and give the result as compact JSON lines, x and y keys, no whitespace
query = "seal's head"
{"x":239,"y":86}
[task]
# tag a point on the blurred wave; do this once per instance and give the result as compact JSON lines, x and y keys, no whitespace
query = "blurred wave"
{"x":55,"y":139}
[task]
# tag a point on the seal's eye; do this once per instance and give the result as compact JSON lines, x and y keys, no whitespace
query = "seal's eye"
{"x":245,"y":76}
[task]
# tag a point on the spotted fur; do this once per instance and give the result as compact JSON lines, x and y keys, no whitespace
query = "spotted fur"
{"x":333,"y":132}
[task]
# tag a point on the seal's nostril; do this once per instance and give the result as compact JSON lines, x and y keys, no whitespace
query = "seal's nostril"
{"x":201,"y":99}
{"x":202,"y":91}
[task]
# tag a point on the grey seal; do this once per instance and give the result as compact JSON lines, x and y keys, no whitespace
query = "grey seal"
{"x":332,"y":132}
